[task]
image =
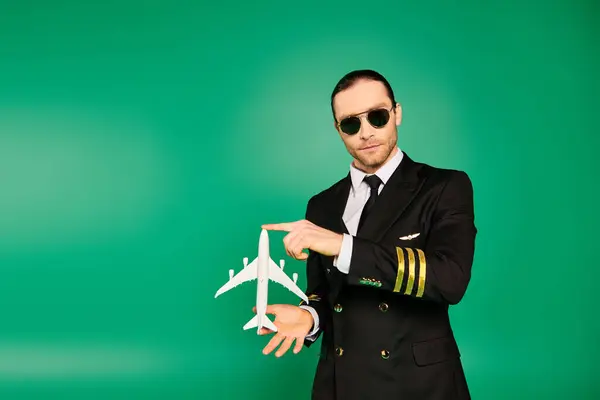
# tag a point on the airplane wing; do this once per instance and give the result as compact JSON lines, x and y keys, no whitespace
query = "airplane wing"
{"x":247,"y":274}
{"x":276,"y":274}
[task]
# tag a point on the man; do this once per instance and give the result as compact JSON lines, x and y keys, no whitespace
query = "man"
{"x":390,"y":247}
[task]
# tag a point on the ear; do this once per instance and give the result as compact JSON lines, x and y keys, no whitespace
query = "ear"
{"x":335,"y":126}
{"x":398,"y":114}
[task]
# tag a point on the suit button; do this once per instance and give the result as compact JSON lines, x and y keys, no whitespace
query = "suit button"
{"x":339,"y":351}
{"x":383,"y":307}
{"x":337,"y":308}
{"x":385,"y":354}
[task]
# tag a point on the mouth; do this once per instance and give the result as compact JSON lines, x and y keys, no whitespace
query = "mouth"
{"x":370,"y":147}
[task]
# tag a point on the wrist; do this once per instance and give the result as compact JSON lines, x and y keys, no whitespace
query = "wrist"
{"x":307,"y":318}
{"x":338,"y":244}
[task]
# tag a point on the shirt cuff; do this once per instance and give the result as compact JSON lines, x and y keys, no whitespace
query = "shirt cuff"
{"x":312,"y":334}
{"x":342,"y":261}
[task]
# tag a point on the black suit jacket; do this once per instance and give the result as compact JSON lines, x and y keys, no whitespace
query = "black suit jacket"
{"x":385,"y":328}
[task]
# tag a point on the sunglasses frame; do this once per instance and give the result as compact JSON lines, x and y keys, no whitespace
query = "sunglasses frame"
{"x":364,"y":115}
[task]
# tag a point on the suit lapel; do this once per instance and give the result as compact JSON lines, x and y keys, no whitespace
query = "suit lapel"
{"x":396,"y":195}
{"x":338,"y":205}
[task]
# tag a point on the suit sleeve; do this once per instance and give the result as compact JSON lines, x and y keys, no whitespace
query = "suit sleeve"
{"x":316,"y":285}
{"x":438,"y":272}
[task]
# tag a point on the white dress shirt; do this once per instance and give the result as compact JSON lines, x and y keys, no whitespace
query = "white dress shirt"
{"x":358,"y":196}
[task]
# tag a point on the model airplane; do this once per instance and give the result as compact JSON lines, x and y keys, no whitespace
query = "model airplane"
{"x":262,"y":268}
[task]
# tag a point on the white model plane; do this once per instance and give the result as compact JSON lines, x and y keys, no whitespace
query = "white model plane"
{"x":262,"y":268}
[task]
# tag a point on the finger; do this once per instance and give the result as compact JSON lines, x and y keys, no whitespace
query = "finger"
{"x":284,"y":346}
{"x":297,"y":251}
{"x":274,"y":342}
{"x":299,"y":345}
{"x":284,"y":226}
{"x":273,"y":309}
{"x":295,"y":240}
{"x":290,"y":237}
{"x":293,"y":244}
{"x":299,"y":244}
{"x":265,"y":331}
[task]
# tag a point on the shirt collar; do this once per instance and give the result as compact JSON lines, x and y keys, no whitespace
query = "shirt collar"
{"x":384,"y":173}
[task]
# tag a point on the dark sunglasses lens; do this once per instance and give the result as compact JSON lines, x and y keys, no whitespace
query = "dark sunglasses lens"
{"x":379,"y":118}
{"x":350,"y":125}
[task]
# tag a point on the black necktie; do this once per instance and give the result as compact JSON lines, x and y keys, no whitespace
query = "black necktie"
{"x":373,"y":181}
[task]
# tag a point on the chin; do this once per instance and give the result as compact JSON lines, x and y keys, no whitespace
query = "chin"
{"x":374,"y":160}
{"x":372,"y":163}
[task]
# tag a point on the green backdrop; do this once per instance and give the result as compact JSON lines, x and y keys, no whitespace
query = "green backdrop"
{"x":143,"y":143}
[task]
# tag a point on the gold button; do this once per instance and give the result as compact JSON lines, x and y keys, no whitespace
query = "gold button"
{"x":383,"y":307}
{"x":385,"y":354}
{"x":337,"y":308}
{"x":339,"y":351}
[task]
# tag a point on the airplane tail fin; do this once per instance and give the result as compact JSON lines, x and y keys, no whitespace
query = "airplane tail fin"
{"x":266,"y":322}
{"x":252,"y":323}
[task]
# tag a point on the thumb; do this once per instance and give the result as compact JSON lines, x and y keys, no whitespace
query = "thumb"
{"x":273,"y":309}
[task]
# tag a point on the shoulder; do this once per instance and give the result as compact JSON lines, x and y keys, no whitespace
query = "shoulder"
{"x":447,"y":187}
{"x":444,"y":177}
{"x":452,"y":188}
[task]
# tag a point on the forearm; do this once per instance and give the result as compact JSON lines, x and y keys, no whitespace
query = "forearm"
{"x":438,"y":275}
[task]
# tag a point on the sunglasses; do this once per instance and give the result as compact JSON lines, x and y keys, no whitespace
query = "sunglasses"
{"x":378,"y":118}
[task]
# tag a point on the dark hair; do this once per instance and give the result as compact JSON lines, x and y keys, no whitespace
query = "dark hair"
{"x":354,"y":76}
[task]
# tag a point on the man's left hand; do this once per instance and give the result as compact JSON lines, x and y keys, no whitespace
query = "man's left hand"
{"x":304,"y":234}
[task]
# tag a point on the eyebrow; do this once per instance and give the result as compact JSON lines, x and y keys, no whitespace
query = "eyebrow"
{"x":376,"y":106}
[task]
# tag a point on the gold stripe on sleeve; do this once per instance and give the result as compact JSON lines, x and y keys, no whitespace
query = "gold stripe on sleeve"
{"x":400,"y":274}
{"x":422,"y":272}
{"x":411,"y":271}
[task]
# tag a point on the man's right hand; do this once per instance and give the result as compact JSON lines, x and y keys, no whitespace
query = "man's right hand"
{"x":293,"y":324}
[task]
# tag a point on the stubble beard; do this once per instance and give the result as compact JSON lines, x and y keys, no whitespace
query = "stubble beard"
{"x":377,"y":160}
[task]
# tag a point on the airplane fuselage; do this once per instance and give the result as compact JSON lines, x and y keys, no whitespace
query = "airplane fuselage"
{"x":262,"y":277}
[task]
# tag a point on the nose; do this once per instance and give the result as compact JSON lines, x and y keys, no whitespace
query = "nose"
{"x":366,"y":130}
